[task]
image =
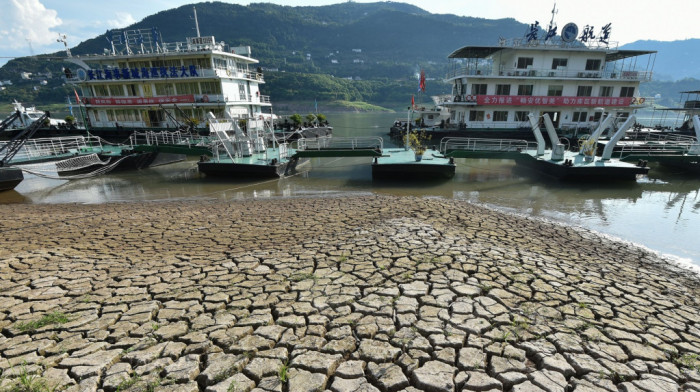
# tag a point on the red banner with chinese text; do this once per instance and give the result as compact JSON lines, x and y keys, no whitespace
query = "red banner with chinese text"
{"x":116,"y":101}
{"x":523,"y":100}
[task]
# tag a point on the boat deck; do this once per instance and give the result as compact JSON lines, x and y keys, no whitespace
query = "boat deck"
{"x":401,"y":164}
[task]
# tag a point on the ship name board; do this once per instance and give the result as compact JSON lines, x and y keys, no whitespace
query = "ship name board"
{"x":142,"y":73}
{"x":518,"y":100}
{"x":112,"y":101}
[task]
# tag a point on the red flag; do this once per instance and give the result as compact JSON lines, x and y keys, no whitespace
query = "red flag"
{"x":422,"y":80}
{"x":77,"y":98}
{"x":413,"y":101}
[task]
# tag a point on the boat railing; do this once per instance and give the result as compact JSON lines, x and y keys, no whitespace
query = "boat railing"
{"x":651,"y":149}
{"x":643,"y":76}
{"x":340,"y":143}
{"x":484,"y":145}
{"x":152,"y":138}
{"x":40,"y":148}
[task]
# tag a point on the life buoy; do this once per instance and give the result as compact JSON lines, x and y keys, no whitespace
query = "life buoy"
{"x":640,"y":101}
{"x":86,"y":101}
{"x":228,"y":72}
{"x":634,"y":101}
{"x":205,"y":98}
{"x":488,"y":116}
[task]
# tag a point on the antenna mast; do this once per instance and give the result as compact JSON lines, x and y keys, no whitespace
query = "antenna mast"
{"x":554,"y":11}
{"x":62,"y":38}
{"x":196,"y":22}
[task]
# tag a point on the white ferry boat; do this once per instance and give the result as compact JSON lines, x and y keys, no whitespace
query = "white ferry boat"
{"x":141,"y":83}
{"x":23,"y":116}
{"x":574,"y":77}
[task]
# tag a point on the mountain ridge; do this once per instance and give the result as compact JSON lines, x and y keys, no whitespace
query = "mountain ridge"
{"x":381,"y":46}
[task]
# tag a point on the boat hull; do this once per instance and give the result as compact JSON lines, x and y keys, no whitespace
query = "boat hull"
{"x":247,"y":170}
{"x":10,"y":177}
{"x":409,"y":171}
{"x":588,"y":172}
{"x":241,"y":170}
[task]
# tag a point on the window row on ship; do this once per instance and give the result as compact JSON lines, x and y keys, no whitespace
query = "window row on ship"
{"x":553,"y":90}
{"x":215,"y":62}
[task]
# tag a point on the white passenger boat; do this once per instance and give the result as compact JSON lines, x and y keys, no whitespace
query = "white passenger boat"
{"x":567,"y":76}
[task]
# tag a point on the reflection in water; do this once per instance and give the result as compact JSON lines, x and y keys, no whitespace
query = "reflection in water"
{"x":659,"y":211}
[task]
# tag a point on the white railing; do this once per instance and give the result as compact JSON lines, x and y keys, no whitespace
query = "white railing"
{"x":643,"y":76}
{"x":340,"y":143}
{"x":41,"y":148}
{"x":651,"y":149}
{"x":158,"y":138}
{"x":484,"y":145}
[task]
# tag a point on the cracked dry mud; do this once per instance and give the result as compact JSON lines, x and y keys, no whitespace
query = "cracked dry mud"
{"x":371,"y":293}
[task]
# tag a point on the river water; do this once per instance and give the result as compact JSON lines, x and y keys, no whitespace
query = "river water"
{"x":659,"y":212}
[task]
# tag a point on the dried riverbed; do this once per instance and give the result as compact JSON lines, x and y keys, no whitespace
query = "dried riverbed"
{"x":367,"y":293}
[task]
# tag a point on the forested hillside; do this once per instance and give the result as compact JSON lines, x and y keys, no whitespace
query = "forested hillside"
{"x":359,"y":52}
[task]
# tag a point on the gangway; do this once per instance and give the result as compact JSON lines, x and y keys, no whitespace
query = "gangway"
{"x":51,"y":149}
{"x":331,"y":146}
{"x":170,"y":142}
{"x":460,"y":147}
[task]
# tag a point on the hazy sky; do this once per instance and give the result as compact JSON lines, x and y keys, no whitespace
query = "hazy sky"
{"x":28,"y":26}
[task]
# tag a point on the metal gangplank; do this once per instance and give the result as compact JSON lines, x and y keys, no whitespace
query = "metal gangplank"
{"x":460,"y":147}
{"x":653,"y":151}
{"x":171,"y":142}
{"x":331,"y":146}
{"x":55,"y":148}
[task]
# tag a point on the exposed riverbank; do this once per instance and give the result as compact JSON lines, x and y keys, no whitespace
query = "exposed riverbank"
{"x":361,"y":293}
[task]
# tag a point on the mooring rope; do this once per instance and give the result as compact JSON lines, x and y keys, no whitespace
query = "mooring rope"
{"x":100,"y":171}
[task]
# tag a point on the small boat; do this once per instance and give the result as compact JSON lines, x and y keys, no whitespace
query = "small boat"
{"x":582,"y":165}
{"x":256,"y":153}
{"x":25,"y":116}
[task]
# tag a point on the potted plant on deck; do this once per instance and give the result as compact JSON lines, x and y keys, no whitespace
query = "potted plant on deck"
{"x":417,"y":142}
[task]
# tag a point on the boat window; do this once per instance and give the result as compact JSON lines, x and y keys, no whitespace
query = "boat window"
{"x":242,"y":93}
{"x":606,"y":91}
{"x":584,"y":91}
{"x":627,"y":91}
{"x":500,"y":115}
{"x":164,"y":89}
{"x":524,"y":89}
{"x":476,"y":115}
{"x":556,"y":63}
{"x":521,"y":116}
{"x":479,"y":89}
{"x":524,"y":62}
{"x":100,"y":90}
{"x":580,"y":116}
{"x":115,"y":90}
{"x":219,"y":63}
{"x":503,"y":89}
{"x":186,"y":88}
{"x":213,"y":88}
{"x":592,"y":65}
{"x":132,"y":90}
{"x":597,"y":116}
{"x":555,"y":90}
